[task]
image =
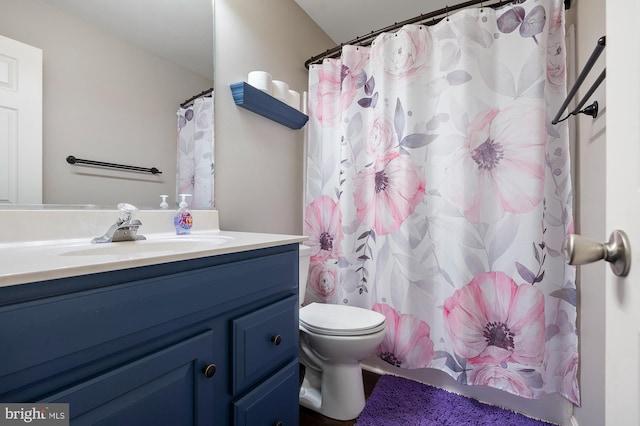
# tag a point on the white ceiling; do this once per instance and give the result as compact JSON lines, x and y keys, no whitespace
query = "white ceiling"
{"x":344,"y":20}
{"x":180,"y":31}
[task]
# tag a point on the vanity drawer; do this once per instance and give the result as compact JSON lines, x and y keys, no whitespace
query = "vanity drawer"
{"x":262,"y":341}
{"x":273,"y":402}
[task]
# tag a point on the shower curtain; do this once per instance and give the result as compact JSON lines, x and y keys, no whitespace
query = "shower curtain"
{"x":195,"y":167}
{"x":439,"y":194}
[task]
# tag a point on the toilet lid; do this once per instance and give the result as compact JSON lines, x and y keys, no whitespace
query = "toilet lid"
{"x":340,"y":320}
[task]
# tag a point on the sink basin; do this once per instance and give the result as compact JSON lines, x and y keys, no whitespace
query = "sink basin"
{"x":151,"y":246}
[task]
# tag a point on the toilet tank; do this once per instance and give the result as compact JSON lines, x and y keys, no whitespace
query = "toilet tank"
{"x":305,"y":259}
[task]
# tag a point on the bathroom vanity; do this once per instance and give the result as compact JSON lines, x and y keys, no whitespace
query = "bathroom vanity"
{"x":207,"y":335}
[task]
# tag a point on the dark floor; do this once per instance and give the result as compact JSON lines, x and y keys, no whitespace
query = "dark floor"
{"x":311,"y":418}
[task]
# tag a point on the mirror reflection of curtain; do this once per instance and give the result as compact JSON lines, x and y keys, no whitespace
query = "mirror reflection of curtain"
{"x":195,"y":167}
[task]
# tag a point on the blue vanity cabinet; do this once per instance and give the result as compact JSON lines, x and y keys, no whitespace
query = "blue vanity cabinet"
{"x":208,"y":341}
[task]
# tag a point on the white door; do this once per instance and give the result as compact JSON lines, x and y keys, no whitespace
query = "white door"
{"x":622,"y":352}
{"x":20,"y":123}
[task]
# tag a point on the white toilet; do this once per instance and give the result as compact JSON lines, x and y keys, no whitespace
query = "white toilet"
{"x":333,"y":341}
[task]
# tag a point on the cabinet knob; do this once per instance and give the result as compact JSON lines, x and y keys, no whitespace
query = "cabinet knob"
{"x":277,"y":339}
{"x":209,"y":370}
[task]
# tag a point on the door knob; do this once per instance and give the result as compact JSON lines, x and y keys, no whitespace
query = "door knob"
{"x":579,"y":250}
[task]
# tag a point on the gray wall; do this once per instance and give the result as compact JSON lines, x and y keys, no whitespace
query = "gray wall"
{"x":102,"y":100}
{"x":259,"y":163}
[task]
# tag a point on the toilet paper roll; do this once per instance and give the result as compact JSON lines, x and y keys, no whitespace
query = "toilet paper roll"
{"x":305,"y":102}
{"x":294,"y":99}
{"x":280,"y":90}
{"x":261,"y":80}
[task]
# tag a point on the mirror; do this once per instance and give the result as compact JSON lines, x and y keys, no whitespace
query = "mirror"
{"x":114,"y":75}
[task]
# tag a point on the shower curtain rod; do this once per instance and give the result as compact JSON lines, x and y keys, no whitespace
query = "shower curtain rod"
{"x":193,"y":98}
{"x":440,"y":14}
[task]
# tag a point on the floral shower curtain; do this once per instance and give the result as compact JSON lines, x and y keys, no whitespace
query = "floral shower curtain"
{"x":439,"y":194}
{"x":195,"y":168}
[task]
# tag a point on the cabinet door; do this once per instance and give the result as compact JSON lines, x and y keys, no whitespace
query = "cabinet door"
{"x":263,"y":341}
{"x":167,"y":387}
{"x":273,"y":402}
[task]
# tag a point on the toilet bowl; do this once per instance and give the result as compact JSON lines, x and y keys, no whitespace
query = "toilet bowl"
{"x":333,"y":341}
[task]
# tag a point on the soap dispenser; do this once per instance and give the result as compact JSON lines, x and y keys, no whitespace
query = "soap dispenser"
{"x":164,"y":205}
{"x":183,"y":221}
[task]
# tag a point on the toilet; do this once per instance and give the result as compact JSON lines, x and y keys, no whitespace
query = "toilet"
{"x":333,"y":341}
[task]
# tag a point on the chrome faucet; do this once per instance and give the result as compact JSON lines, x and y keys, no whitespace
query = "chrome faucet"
{"x":125,"y":228}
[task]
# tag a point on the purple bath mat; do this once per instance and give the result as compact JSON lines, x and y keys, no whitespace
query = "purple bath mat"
{"x":396,"y":401}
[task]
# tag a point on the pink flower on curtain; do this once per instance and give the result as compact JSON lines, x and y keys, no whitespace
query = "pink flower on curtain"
{"x":322,"y":283}
{"x":500,"y":378}
{"x":355,"y":59}
{"x":565,"y":373}
{"x":382,"y":139}
{"x":569,"y":379}
{"x":556,"y":21}
{"x":335,"y":92}
{"x":561,"y":365}
{"x":569,"y":373}
{"x":403,"y":54}
{"x":407,"y":342}
{"x":385,"y":195}
{"x":556,"y":71}
{"x":323,"y":225}
{"x":494,"y":320}
{"x":500,"y":168}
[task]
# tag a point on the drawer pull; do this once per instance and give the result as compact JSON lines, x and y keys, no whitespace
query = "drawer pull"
{"x":277,"y":339}
{"x":209,"y":371}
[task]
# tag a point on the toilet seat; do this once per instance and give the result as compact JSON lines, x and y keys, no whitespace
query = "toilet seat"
{"x":340,"y":320}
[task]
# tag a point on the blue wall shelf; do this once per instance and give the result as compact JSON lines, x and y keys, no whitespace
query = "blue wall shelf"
{"x":256,"y":100}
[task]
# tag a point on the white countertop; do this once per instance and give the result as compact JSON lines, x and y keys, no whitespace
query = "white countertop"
{"x":32,"y":250}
